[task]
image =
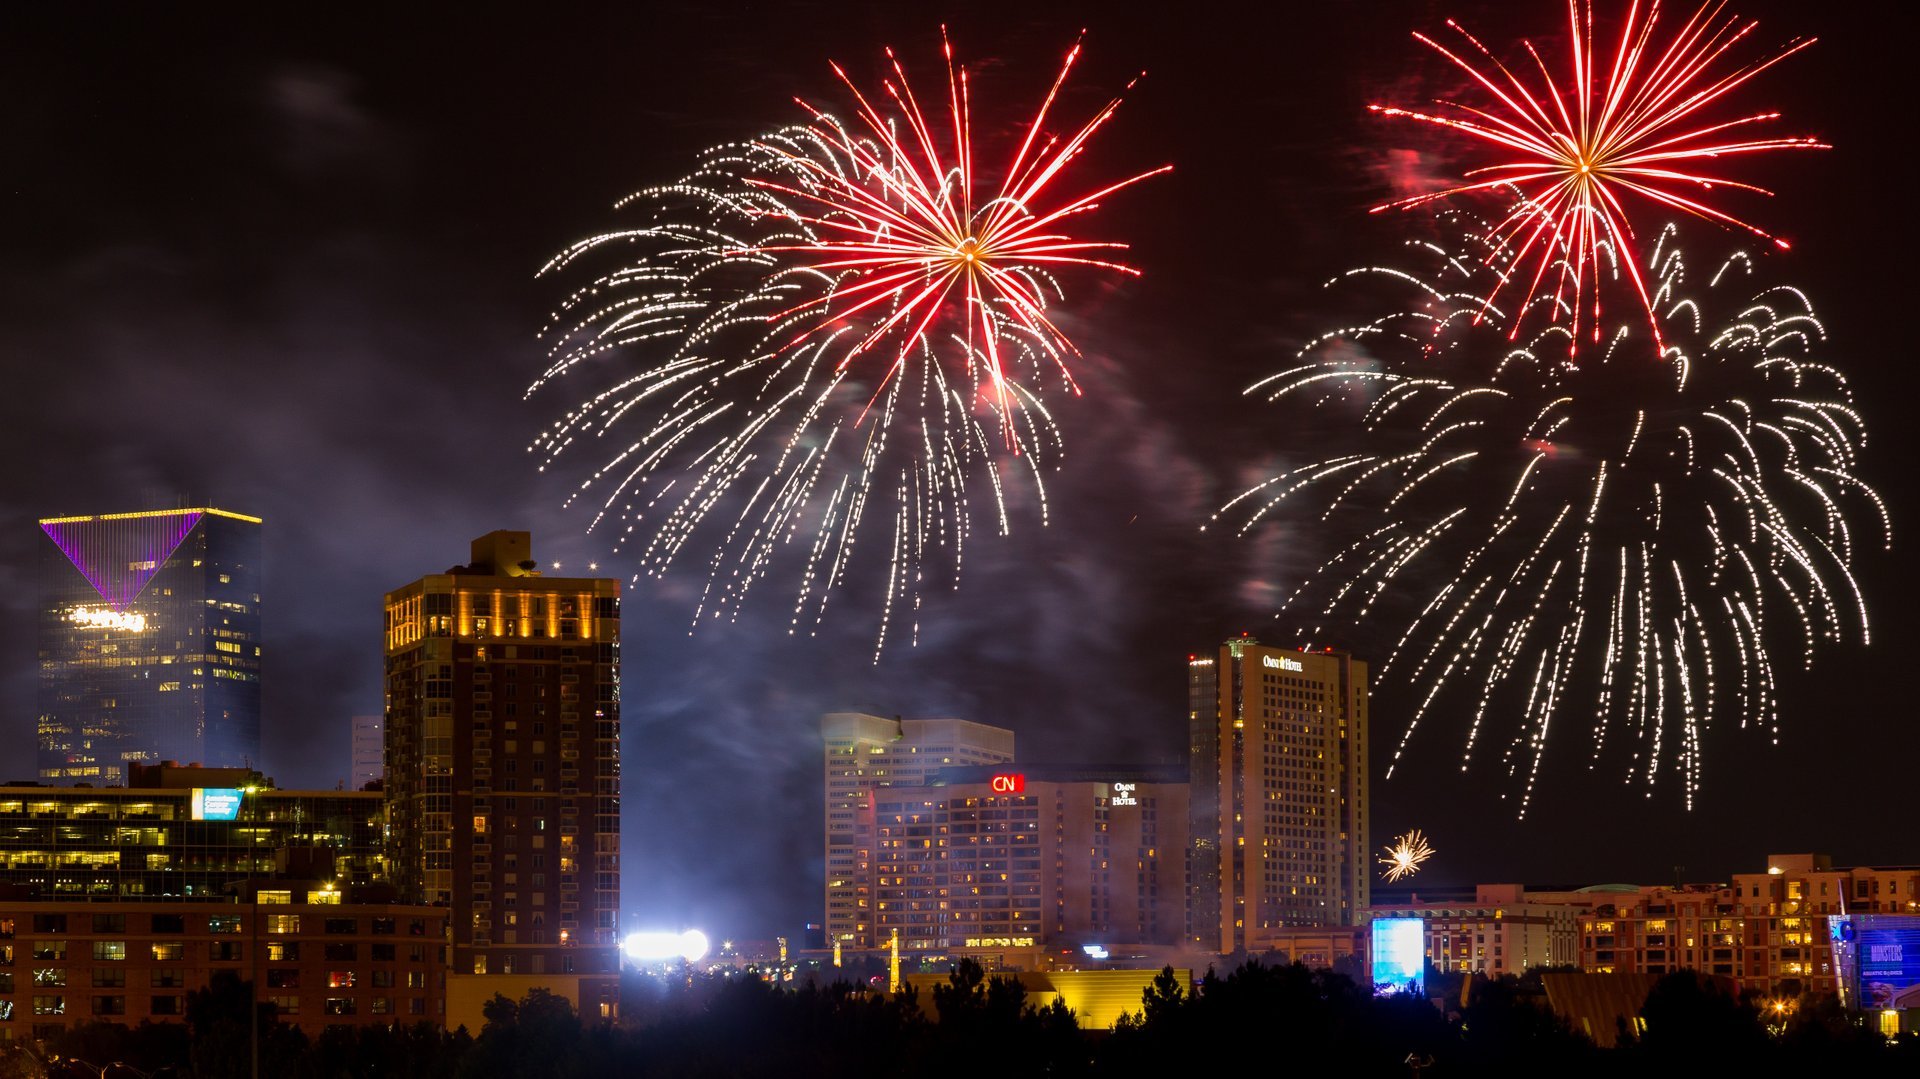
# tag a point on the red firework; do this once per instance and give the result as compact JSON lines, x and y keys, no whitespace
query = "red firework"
{"x":906,"y":234}
{"x":1634,"y":125}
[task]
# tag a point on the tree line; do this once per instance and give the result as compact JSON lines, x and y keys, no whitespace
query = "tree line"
{"x":710,"y":1027}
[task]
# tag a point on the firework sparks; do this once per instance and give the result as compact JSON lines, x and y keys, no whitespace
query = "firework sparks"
{"x":1579,"y":143}
{"x":831,"y":324}
{"x":1405,"y":855}
{"x":1633,"y":542}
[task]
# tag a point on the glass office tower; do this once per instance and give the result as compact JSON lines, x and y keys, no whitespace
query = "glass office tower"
{"x":149,"y":642}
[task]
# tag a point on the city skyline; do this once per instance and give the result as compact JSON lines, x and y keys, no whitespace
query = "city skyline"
{"x":280,"y":268}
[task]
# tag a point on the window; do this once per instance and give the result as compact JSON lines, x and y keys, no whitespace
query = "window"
{"x":416,"y":979}
{"x":269,"y":897}
{"x":223,"y":923}
{"x":169,"y":923}
{"x":49,"y":923}
{"x":382,"y":927}
{"x":340,"y":1006}
{"x":114,"y":1005}
{"x":50,"y":949}
{"x":341,"y":979}
{"x":169,"y":952}
{"x":283,"y":979}
{"x":165,"y":1005}
{"x":49,"y":1005}
{"x":168,"y":978}
{"x":382,"y":1006}
{"x":224,"y":951}
{"x":343,"y":925}
{"x":383,"y":953}
{"x":286,"y":1005}
{"x":50,"y":977}
{"x":109,"y":977}
{"x":383,"y":979}
{"x":283,"y":951}
{"x":108,"y":951}
{"x":6,"y":981}
{"x":343,"y":952}
{"x":109,"y":923}
{"x":283,"y":923}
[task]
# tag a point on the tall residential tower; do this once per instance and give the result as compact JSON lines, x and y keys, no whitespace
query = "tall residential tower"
{"x":503,"y":773}
{"x":1279,"y":804}
{"x":149,"y":642}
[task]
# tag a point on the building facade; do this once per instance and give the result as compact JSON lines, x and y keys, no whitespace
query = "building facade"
{"x":1008,"y":858}
{"x":503,"y":772}
{"x":150,"y":642}
{"x":164,"y":839}
{"x":1768,"y":930}
{"x":863,"y":754}
{"x":369,"y":749}
{"x":321,"y":961}
{"x":1500,"y":931}
{"x":1285,"y":765}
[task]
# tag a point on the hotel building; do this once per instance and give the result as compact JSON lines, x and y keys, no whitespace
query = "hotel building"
{"x":503,"y":772}
{"x":149,"y":642}
{"x":1008,"y":858}
{"x":863,"y":754}
{"x":1279,"y":809}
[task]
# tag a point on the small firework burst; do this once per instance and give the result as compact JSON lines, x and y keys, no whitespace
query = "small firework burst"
{"x":1405,"y":854}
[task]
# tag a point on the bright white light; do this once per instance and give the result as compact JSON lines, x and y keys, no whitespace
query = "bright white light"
{"x":1095,"y":951}
{"x":107,"y":618}
{"x":652,"y":947}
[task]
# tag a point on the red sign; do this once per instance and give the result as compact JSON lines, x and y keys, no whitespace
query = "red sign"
{"x":1009,"y":783}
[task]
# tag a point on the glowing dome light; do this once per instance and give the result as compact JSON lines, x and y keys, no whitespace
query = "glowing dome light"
{"x":655,"y":946}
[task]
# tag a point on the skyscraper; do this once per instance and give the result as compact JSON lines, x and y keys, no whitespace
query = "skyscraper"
{"x":149,"y":642}
{"x":1280,"y":788}
{"x":864,"y":753}
{"x":503,"y":772}
{"x":369,"y":748}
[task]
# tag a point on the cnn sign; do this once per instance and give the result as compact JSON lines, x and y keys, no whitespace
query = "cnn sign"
{"x":1008,"y":783}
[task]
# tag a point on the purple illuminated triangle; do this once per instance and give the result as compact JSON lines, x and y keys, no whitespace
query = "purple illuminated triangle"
{"x":119,"y":556}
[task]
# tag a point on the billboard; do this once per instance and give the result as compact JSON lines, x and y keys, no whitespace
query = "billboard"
{"x":1878,"y":956}
{"x":216,"y":803}
{"x":1399,"y":957}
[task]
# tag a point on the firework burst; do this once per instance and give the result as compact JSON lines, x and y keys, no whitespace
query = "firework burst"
{"x":1405,"y":855}
{"x":830,"y":324}
{"x":1579,"y":143}
{"x":1642,"y":544}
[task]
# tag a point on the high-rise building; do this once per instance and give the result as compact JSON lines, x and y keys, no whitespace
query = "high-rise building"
{"x":503,"y":772}
{"x":369,"y":753}
{"x":1285,"y":767}
{"x":149,"y":642}
{"x":1010,"y":859}
{"x":864,"y":753}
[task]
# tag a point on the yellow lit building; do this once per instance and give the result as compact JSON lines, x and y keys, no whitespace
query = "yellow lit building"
{"x":1279,"y":766}
{"x":864,"y":754}
{"x":1013,"y":859}
{"x":503,"y":772}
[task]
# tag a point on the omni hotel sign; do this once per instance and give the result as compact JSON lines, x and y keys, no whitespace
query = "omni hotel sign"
{"x":1282,"y":663}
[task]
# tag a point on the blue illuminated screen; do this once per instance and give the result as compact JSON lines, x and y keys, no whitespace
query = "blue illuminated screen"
{"x":1888,"y":950}
{"x":216,"y":803}
{"x":1399,"y":957}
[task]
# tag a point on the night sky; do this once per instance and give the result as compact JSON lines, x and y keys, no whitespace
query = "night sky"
{"x":287,"y":268}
